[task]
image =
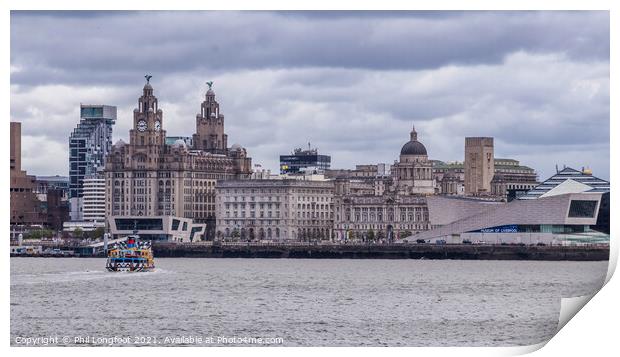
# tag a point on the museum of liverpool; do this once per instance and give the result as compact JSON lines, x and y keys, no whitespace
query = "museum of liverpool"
{"x":569,"y":208}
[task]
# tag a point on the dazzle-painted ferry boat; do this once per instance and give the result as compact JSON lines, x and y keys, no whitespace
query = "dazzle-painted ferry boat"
{"x":131,"y":255}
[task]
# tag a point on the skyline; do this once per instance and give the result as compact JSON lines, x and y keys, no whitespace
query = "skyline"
{"x":538,"y":83}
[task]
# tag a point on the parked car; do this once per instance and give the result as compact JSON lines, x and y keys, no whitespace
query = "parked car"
{"x":466,"y":241}
{"x":420,"y":241}
{"x":440,"y":241}
{"x":541,"y":244}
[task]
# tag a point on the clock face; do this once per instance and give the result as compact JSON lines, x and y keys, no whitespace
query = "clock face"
{"x":157,"y":125}
{"x":141,"y":125}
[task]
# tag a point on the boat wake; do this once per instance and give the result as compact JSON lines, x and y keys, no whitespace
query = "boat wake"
{"x":69,"y":277}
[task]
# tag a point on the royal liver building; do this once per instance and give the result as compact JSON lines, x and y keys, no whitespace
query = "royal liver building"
{"x":147,"y":177}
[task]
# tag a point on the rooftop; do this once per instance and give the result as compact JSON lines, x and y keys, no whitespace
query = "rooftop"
{"x":567,"y":180}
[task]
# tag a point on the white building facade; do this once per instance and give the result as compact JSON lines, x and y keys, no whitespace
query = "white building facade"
{"x":93,"y":199}
{"x":274,"y":209}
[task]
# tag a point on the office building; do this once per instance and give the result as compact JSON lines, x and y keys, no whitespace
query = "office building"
{"x":89,"y":144}
{"x":304,"y":159}
{"x":274,"y":209}
{"x":45,"y":183}
{"x":94,"y":198}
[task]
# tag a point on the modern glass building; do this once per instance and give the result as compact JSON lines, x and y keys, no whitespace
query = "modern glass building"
{"x":303,"y":159}
{"x":157,"y":228}
{"x":89,"y":144}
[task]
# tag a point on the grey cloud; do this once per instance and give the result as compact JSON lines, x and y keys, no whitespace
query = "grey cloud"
{"x":109,"y":48}
{"x":351,"y":85}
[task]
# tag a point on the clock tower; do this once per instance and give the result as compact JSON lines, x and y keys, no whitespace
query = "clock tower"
{"x":147,"y":131}
{"x":210,"y":136}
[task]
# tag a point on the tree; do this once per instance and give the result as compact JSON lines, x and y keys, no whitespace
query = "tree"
{"x":38,"y":234}
{"x":380,"y":235}
{"x":404,"y":234}
{"x":78,"y":233}
{"x":97,"y":233}
{"x":235,"y":233}
{"x":370,"y":235}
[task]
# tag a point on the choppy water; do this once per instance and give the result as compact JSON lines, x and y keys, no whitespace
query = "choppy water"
{"x":303,"y":302}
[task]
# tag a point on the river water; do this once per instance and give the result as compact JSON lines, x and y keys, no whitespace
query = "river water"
{"x":294,"y":302}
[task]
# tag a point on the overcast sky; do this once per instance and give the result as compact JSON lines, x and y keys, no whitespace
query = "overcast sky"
{"x":352,"y":84}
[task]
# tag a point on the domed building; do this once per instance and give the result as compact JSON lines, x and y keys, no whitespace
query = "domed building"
{"x":382,"y":207}
{"x":413,"y":173}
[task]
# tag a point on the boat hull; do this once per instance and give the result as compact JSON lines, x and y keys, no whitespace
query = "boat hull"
{"x":128,"y":266}
{"x":130,"y":255}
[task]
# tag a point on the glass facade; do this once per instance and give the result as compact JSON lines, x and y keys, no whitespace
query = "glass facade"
{"x":89,"y":144}
{"x":193,"y":233}
{"x":582,"y":209}
{"x":291,"y":164}
{"x":141,"y":224}
{"x":91,"y":112}
{"x":535,"y":228}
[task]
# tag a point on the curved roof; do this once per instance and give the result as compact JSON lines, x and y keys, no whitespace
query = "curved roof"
{"x":413,"y":147}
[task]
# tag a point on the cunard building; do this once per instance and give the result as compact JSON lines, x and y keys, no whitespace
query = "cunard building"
{"x":150,"y":182}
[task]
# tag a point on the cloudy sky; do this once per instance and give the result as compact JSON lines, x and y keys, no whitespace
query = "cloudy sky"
{"x":352,"y":84}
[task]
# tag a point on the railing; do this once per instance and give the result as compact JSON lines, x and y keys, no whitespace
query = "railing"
{"x":82,"y":243}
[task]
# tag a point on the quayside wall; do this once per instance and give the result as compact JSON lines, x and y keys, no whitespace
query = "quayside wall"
{"x":401,"y":251}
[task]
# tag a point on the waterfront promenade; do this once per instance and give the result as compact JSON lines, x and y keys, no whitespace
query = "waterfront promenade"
{"x":363,"y":251}
{"x":382,"y":251}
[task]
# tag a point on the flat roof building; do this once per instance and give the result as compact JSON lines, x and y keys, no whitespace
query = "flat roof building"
{"x":302,"y":159}
{"x":278,"y":210}
{"x":94,"y":198}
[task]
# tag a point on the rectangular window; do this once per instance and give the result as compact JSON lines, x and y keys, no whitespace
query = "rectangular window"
{"x":582,"y":209}
{"x":129,"y":224}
